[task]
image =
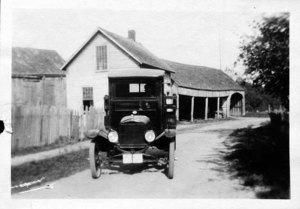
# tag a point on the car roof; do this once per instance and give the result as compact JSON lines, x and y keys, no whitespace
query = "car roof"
{"x":136,"y":73}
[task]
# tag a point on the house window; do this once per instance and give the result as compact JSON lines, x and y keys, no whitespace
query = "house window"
{"x":101,"y":57}
{"x":88,"y":100}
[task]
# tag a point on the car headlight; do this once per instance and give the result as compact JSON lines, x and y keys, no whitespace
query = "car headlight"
{"x":150,"y":136}
{"x":113,"y":137}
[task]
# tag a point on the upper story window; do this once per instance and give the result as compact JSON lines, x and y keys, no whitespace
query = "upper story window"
{"x":101,"y":57}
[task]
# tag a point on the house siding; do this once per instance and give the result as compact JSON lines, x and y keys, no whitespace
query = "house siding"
{"x":82,"y":72}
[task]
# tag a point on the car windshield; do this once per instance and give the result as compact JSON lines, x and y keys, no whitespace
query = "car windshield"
{"x":135,"y":89}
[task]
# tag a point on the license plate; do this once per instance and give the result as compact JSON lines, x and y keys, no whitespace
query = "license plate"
{"x":132,"y":158}
{"x":137,"y":158}
{"x":127,"y":158}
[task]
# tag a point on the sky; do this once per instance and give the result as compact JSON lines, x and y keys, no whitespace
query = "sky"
{"x":206,"y":38}
{"x":205,"y":33}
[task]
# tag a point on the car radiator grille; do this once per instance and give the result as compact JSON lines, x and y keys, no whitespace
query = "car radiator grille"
{"x":132,"y":135}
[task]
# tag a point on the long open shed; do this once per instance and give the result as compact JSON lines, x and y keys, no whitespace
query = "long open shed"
{"x":204,"y":93}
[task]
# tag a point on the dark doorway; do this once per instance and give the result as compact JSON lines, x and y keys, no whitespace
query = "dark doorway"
{"x":199,"y":108}
{"x":184,"y":107}
{"x":212,"y":107}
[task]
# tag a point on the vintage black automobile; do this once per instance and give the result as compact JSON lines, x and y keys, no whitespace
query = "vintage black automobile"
{"x":138,"y":117}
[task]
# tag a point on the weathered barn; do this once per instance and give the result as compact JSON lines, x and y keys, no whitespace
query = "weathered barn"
{"x":202,"y":92}
{"x":37,"y":78}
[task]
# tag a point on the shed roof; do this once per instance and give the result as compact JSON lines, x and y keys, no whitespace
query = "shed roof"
{"x":30,"y":61}
{"x":134,"y":49}
{"x":202,"y":78}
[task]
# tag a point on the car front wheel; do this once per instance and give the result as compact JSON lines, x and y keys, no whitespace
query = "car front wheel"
{"x":95,"y":161}
{"x":171,"y":159}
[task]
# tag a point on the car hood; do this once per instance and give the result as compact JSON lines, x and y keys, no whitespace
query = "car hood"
{"x":135,"y":119}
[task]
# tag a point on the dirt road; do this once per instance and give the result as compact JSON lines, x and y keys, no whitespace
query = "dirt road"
{"x":199,"y":172}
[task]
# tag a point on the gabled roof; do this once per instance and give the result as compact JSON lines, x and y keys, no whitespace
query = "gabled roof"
{"x":134,"y":49}
{"x":30,"y":61}
{"x":202,"y":78}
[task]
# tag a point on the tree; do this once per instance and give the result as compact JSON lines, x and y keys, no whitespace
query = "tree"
{"x":266,"y":56}
{"x":256,"y":99}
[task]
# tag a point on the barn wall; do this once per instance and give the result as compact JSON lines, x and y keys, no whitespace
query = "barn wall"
{"x":26,"y":91}
{"x":82,"y":72}
{"x":39,"y":91}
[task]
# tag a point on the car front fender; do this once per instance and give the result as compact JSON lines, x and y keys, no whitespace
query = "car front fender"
{"x":170,"y":133}
{"x":93,"y":133}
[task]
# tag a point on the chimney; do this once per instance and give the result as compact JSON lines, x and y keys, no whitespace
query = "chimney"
{"x":131,"y":34}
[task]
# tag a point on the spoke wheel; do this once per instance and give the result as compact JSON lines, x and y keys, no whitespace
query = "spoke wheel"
{"x":95,"y":161}
{"x":171,"y":160}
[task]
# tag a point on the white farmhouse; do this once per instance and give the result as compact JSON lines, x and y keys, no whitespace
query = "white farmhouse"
{"x":87,"y":69}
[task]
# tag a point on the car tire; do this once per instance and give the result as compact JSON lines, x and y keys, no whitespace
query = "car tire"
{"x":171,"y":159}
{"x":95,"y":161}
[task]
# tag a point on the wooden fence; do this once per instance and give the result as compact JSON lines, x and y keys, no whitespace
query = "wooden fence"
{"x":43,"y":125}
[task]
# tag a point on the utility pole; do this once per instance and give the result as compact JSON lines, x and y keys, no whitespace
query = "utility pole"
{"x":220,"y":48}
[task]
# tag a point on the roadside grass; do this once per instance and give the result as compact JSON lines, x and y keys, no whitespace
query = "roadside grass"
{"x":60,"y":142}
{"x":202,"y":121}
{"x":51,"y":169}
{"x":198,"y":123}
{"x":264,"y":114}
{"x":260,"y":157}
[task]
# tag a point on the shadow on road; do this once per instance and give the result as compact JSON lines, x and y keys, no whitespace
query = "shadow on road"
{"x":132,"y":169}
{"x":260,"y":157}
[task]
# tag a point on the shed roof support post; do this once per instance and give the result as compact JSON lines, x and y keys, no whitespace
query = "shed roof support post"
{"x":192,"y":109}
{"x":244,"y":105}
{"x":228,"y":105}
{"x":177,"y":109}
{"x":206,"y":108}
{"x":218,"y":107}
